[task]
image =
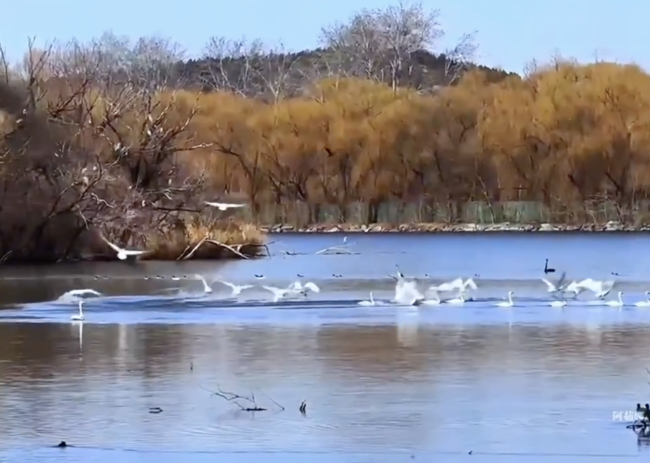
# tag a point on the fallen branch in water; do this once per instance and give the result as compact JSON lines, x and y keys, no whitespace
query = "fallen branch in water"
{"x":184,"y":256}
{"x":234,"y":398}
{"x":235,"y":249}
{"x":334,"y":250}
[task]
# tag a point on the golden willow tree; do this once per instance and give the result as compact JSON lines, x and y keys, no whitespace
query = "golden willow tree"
{"x":563,"y":136}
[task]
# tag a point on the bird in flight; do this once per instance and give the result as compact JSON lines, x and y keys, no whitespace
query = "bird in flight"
{"x":123,"y":254}
{"x":224,"y":206}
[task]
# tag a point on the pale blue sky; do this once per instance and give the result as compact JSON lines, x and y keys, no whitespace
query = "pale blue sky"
{"x":510,"y":33}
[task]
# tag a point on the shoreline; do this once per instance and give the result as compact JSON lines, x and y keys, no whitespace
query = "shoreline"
{"x":608,"y":227}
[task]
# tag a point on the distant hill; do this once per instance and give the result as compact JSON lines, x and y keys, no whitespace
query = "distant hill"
{"x":288,"y":73}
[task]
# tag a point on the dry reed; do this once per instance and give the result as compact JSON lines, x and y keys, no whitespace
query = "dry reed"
{"x":175,"y":244}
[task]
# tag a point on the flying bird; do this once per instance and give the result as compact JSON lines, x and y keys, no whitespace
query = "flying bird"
{"x":123,"y":254}
{"x":224,"y":206}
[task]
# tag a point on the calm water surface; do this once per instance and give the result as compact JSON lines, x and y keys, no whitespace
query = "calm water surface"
{"x":383,"y":383}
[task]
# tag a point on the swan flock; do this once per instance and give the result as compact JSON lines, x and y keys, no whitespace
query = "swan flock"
{"x":407,"y":292}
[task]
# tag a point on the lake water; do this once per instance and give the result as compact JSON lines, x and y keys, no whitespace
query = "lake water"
{"x":383,"y":383}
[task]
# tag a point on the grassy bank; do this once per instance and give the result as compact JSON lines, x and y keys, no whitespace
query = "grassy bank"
{"x":211,"y":240}
{"x":184,"y":238}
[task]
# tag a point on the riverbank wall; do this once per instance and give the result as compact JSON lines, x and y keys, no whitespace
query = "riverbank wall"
{"x":455,"y":228}
{"x":471,"y":217}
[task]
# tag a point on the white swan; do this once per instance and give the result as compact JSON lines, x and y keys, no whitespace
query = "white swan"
{"x":224,"y":206}
{"x":601,"y":288}
{"x":79,"y":317}
{"x":460,"y":300}
{"x":406,"y":293}
{"x":236,"y":289}
{"x":573,"y":287}
{"x":298,"y":287}
{"x":457,"y":284}
{"x":400,"y":276}
{"x":123,"y":254}
{"x":646,"y":302}
{"x":83,"y":292}
{"x":206,"y":287}
{"x":469,"y":283}
{"x":617,"y":302}
{"x":507,"y":303}
{"x":368,"y":303}
{"x":551,"y":287}
{"x":280,"y":293}
{"x":561,"y":303}
{"x":448,"y":286}
{"x":555,"y":287}
{"x":435,"y":301}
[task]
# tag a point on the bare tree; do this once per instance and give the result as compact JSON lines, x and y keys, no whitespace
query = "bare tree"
{"x":46,"y":184}
{"x":250,"y":69}
{"x":108,"y":153}
{"x":458,"y":58}
{"x":147,"y":150}
{"x":231,"y":64}
{"x":148,"y":62}
{"x":379,"y":44}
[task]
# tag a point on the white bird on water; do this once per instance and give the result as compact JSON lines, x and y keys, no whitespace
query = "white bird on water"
{"x":123,"y":254}
{"x":400,"y":276}
{"x":460,"y":300}
{"x":236,"y":289}
{"x":292,"y":290}
{"x":457,"y":284}
{"x":507,"y":303}
{"x":280,"y":293}
{"x":435,"y":301}
{"x":368,"y":303}
{"x":206,"y":287}
{"x":300,"y":288}
{"x":406,"y":293}
{"x":561,"y":303}
{"x":616,"y":302}
{"x":601,"y":288}
{"x":556,"y":287}
{"x":224,"y":206}
{"x":646,"y":302}
{"x":79,"y":317}
{"x":83,"y":292}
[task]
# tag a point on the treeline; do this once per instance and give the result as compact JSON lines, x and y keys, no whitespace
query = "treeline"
{"x":109,"y":135}
{"x":275,"y":76}
{"x":564,"y":135}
